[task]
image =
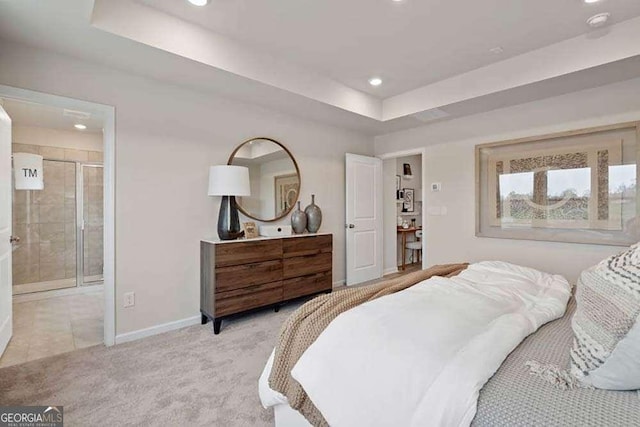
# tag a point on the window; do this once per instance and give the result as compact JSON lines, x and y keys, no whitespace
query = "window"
{"x":580,"y":187}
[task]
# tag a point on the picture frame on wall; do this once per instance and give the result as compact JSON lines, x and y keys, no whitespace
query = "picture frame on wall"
{"x":408,"y":200}
{"x":578,"y":186}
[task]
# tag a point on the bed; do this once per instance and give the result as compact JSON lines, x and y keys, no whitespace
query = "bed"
{"x":509,"y":394}
{"x":514,"y":397}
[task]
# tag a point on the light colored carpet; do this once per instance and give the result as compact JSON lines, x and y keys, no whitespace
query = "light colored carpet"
{"x":184,"y":377}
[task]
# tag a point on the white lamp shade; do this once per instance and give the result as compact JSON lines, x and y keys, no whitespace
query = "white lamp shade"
{"x":228,"y":180}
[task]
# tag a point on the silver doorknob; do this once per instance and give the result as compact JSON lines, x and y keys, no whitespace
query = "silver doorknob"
{"x":14,"y":239}
{"x":351,"y":226}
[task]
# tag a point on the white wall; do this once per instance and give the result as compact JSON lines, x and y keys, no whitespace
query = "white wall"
{"x":166,"y":137}
{"x":450,"y":160}
{"x":57,"y":138}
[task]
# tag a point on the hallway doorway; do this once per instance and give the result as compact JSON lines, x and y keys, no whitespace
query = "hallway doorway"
{"x":61,"y":262}
{"x":404,"y":213}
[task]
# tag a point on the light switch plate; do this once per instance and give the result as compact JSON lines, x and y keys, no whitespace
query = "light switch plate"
{"x":433,"y":211}
{"x":129,"y":299}
{"x":437,"y":210}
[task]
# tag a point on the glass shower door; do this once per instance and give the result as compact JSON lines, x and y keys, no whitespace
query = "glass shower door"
{"x":91,"y":224}
{"x":45,"y":221}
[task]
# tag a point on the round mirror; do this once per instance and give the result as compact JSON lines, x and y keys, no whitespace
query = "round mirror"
{"x":274,"y":178}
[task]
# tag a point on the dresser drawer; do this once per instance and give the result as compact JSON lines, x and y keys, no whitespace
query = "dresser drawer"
{"x":305,"y":265}
{"x":238,"y":253}
{"x":239,"y":300}
{"x":306,"y":285}
{"x":242,"y":276}
{"x":308,"y":245}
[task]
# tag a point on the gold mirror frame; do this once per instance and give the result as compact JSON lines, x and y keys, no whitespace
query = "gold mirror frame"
{"x":293,"y":159}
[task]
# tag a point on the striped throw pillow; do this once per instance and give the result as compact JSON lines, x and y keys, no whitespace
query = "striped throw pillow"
{"x":606,"y":350}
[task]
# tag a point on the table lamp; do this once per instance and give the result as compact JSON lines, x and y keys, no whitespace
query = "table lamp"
{"x":229,"y":181}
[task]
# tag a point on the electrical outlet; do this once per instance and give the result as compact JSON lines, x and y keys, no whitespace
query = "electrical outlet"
{"x":129,"y":299}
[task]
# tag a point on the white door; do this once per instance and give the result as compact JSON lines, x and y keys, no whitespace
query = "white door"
{"x":364,"y":218}
{"x":5,"y":230}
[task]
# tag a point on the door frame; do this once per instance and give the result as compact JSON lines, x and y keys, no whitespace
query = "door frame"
{"x":6,"y":234}
{"x":423,"y":153}
{"x":109,"y":146}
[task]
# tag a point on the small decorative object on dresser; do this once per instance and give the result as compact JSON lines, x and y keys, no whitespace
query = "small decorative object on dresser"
{"x":244,"y":275}
{"x":314,"y":215}
{"x":275,"y":230}
{"x":250,"y":230}
{"x":299,"y":220}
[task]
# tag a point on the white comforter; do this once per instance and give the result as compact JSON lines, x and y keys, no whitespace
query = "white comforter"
{"x":420,"y":357}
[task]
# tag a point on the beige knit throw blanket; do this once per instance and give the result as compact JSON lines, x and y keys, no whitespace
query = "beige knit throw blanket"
{"x":306,"y":323}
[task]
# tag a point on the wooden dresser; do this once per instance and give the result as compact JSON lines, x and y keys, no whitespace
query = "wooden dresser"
{"x":241,"y":275}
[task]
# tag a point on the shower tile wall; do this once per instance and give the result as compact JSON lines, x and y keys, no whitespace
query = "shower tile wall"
{"x":45,"y":221}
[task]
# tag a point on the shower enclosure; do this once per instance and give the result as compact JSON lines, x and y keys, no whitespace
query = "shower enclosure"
{"x":60,"y":229}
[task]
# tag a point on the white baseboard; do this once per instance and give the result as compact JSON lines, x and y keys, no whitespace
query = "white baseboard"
{"x":390,"y":271}
{"x":171,"y":326}
{"x":5,"y":334}
{"x":338,"y":283}
{"x":158,"y":329}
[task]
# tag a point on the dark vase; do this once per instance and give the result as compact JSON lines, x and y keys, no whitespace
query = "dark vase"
{"x":314,"y":215}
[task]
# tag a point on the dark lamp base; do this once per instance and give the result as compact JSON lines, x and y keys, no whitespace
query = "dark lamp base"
{"x":228,"y":220}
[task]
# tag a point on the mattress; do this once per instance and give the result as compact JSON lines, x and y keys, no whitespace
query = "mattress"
{"x":514,"y":397}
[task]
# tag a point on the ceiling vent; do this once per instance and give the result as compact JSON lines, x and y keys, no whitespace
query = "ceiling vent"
{"x":80,"y":115}
{"x":431,"y":115}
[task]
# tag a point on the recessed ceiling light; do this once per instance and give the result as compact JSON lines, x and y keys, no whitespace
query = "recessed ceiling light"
{"x":591,"y":1}
{"x":375,"y":81}
{"x":598,"y":20}
{"x":80,"y":126}
{"x":199,"y":2}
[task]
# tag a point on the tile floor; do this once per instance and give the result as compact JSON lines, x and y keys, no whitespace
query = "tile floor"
{"x":56,"y":325}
